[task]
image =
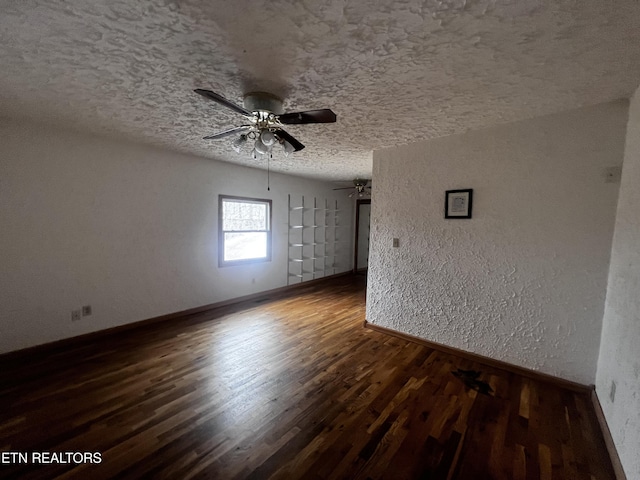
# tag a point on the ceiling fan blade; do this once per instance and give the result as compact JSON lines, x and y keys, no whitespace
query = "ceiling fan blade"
{"x":297,"y":146}
{"x":310,"y":116}
{"x":344,"y":188}
{"x":226,"y":133}
{"x":223,"y":101}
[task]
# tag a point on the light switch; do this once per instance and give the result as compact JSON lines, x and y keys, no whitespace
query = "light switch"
{"x":396,"y":242}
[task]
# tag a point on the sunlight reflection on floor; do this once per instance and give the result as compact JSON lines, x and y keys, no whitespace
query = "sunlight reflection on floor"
{"x":240,"y":372}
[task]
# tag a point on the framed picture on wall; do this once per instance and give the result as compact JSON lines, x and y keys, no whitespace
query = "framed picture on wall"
{"x":458,"y":203}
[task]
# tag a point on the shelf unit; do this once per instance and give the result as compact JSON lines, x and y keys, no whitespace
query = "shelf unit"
{"x":313,"y":239}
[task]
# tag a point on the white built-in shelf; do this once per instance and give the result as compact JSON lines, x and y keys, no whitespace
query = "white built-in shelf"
{"x":293,"y":209}
{"x":304,"y":259}
{"x":313,"y":227}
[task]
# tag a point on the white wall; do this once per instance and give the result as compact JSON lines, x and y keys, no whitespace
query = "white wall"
{"x":524,"y":280}
{"x":619,"y":360}
{"x":126,"y":228}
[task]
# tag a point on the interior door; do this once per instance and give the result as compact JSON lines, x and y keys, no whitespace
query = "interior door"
{"x":363,"y":214}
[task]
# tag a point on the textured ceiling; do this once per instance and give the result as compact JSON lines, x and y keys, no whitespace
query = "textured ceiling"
{"x":393,"y":71}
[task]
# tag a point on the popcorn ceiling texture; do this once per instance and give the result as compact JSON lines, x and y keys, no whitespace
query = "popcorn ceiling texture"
{"x":394,"y":72}
{"x":524,"y":280}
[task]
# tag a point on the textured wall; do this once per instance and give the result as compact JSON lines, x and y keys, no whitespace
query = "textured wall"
{"x":523,"y":281}
{"x":128,"y":229}
{"x":619,"y":361}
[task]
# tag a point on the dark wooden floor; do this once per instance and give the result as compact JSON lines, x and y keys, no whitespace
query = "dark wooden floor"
{"x":291,"y":388}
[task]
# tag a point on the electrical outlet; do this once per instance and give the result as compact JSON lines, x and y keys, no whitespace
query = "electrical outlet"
{"x":396,"y":242}
{"x":86,"y":310}
{"x":75,"y":315}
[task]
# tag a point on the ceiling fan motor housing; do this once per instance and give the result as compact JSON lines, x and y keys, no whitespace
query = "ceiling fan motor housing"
{"x":262,"y":101}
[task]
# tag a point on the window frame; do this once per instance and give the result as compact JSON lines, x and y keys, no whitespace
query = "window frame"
{"x":221,"y":232}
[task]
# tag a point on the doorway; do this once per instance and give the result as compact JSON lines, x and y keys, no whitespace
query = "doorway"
{"x":361,"y":256}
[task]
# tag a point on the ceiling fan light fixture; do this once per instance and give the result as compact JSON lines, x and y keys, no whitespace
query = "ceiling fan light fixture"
{"x":238,"y":143}
{"x":359,"y":189}
{"x":266,"y":119}
{"x":288,"y":148}
{"x":267,"y":137}
{"x":260,"y":147}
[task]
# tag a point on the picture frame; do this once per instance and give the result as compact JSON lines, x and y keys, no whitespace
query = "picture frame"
{"x":458,"y":203}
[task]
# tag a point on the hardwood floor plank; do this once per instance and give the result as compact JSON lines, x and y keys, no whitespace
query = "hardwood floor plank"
{"x":289,"y":388}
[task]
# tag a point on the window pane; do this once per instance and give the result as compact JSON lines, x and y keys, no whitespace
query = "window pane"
{"x":244,"y":216}
{"x":243,"y":246}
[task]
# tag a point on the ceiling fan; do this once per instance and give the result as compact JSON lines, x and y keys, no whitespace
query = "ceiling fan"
{"x":361,"y":188}
{"x":264,"y":121}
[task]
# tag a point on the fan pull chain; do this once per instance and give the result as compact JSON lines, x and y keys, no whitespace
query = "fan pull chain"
{"x":268,"y":172}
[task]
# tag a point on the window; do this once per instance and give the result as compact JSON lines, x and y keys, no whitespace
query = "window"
{"x":244,"y":226}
